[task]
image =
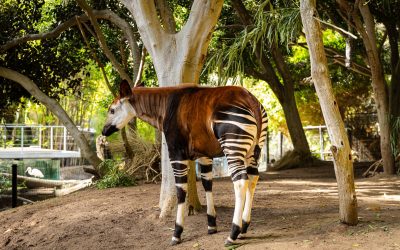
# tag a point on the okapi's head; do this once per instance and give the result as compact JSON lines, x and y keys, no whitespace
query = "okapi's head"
{"x":120,"y":111}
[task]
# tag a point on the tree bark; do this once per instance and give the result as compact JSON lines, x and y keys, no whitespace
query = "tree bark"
{"x":295,"y":127}
{"x":57,"y":110}
{"x":365,"y":26}
{"x":177,"y":57}
{"x":102,"y":41}
{"x":340,"y":144}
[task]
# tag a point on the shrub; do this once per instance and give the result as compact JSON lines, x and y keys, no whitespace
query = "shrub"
{"x":114,"y":175}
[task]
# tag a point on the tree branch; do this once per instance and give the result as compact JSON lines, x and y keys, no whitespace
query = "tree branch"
{"x":31,"y":37}
{"x":98,"y":14}
{"x":141,"y":67}
{"x":102,"y":41}
{"x":129,"y":33}
{"x":101,"y":66}
{"x":338,"y":29}
{"x":167,"y":19}
{"x":145,"y":14}
{"x":341,"y":60}
{"x":56,"y":109}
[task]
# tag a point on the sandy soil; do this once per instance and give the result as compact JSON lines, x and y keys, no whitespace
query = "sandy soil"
{"x":293,"y":209}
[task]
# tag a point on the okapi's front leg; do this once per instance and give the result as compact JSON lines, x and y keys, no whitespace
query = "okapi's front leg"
{"x":206,"y":180}
{"x":180,"y":168}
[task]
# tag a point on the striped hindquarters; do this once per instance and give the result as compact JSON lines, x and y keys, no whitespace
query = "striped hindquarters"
{"x":236,"y":129}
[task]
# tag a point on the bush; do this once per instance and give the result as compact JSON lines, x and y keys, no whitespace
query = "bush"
{"x":5,"y":184}
{"x":113,"y":175}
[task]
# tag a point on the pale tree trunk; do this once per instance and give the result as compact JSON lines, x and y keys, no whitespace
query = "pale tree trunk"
{"x":340,"y":144}
{"x":365,"y":26}
{"x":57,"y":110}
{"x":178,"y":58}
{"x":378,"y":86}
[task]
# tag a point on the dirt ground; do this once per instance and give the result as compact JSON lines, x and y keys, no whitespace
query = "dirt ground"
{"x":293,"y":209}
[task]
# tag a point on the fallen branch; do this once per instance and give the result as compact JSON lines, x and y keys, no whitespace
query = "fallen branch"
{"x":4,"y":196}
{"x":374,"y":166}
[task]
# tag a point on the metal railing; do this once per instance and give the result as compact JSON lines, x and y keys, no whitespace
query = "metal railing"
{"x":36,"y":136}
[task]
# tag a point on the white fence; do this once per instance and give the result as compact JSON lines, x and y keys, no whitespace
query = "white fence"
{"x":36,"y":136}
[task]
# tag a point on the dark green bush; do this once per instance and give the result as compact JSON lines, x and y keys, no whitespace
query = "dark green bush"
{"x":113,"y":175}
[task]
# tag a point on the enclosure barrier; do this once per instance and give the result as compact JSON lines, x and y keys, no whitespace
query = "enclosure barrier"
{"x":36,"y":136}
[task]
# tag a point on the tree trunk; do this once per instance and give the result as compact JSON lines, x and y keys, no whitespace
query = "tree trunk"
{"x":57,"y":110}
{"x":340,"y":144}
{"x":193,"y":198}
{"x":378,"y":85}
{"x":364,"y":23}
{"x":178,"y":58}
{"x":295,"y":127}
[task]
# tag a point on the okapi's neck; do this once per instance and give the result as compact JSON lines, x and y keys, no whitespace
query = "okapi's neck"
{"x":150,"y":105}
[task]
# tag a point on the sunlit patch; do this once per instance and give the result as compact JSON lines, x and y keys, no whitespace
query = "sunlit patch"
{"x":391,"y":197}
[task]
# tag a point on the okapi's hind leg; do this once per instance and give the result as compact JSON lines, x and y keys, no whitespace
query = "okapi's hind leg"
{"x":180,"y":168}
{"x":206,"y":179}
{"x":252,"y":172}
{"x":237,"y":170}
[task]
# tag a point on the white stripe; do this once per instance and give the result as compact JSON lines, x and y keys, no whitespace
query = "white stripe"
{"x":249,"y":128}
{"x":185,"y":162}
{"x":248,"y":117}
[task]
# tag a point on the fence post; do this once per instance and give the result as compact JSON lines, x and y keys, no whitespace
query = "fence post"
{"x":40,"y":136}
{"x":14,"y":173}
{"x":321,"y":143}
{"x":280,"y":144}
{"x":65,"y":139}
{"x":51,"y":138}
{"x":22,"y":137}
{"x":267,"y":148}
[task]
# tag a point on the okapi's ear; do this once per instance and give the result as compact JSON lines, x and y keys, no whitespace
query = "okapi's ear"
{"x":124,"y":89}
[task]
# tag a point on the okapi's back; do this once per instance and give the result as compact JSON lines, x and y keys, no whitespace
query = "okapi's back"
{"x":197,"y":109}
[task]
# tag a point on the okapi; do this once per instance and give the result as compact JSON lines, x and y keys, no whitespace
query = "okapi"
{"x":201,"y":123}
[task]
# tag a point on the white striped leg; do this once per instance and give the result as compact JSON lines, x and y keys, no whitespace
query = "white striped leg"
{"x":180,"y":169}
{"x":252,"y":172}
{"x":240,"y":187}
{"x":239,"y":176}
{"x":253,"y":179}
{"x":206,"y":179}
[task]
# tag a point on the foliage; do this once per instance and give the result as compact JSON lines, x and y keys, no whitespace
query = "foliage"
{"x":5,"y":184}
{"x":394,"y":137}
{"x":263,"y":92}
{"x":47,"y":62}
{"x":236,"y":51}
{"x":113,"y":175}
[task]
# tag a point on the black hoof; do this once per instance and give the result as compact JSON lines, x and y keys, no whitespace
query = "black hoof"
{"x":175,"y":241}
{"x":212,"y":231}
{"x":245,"y":226}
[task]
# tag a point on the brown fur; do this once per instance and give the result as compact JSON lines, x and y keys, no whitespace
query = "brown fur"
{"x":192,"y":109}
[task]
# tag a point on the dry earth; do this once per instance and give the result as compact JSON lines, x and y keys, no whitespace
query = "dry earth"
{"x":293,"y":209}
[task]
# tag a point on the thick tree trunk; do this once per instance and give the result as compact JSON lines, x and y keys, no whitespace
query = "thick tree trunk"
{"x":340,"y":144}
{"x":295,"y":127}
{"x":57,"y":110}
{"x":178,"y":58}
